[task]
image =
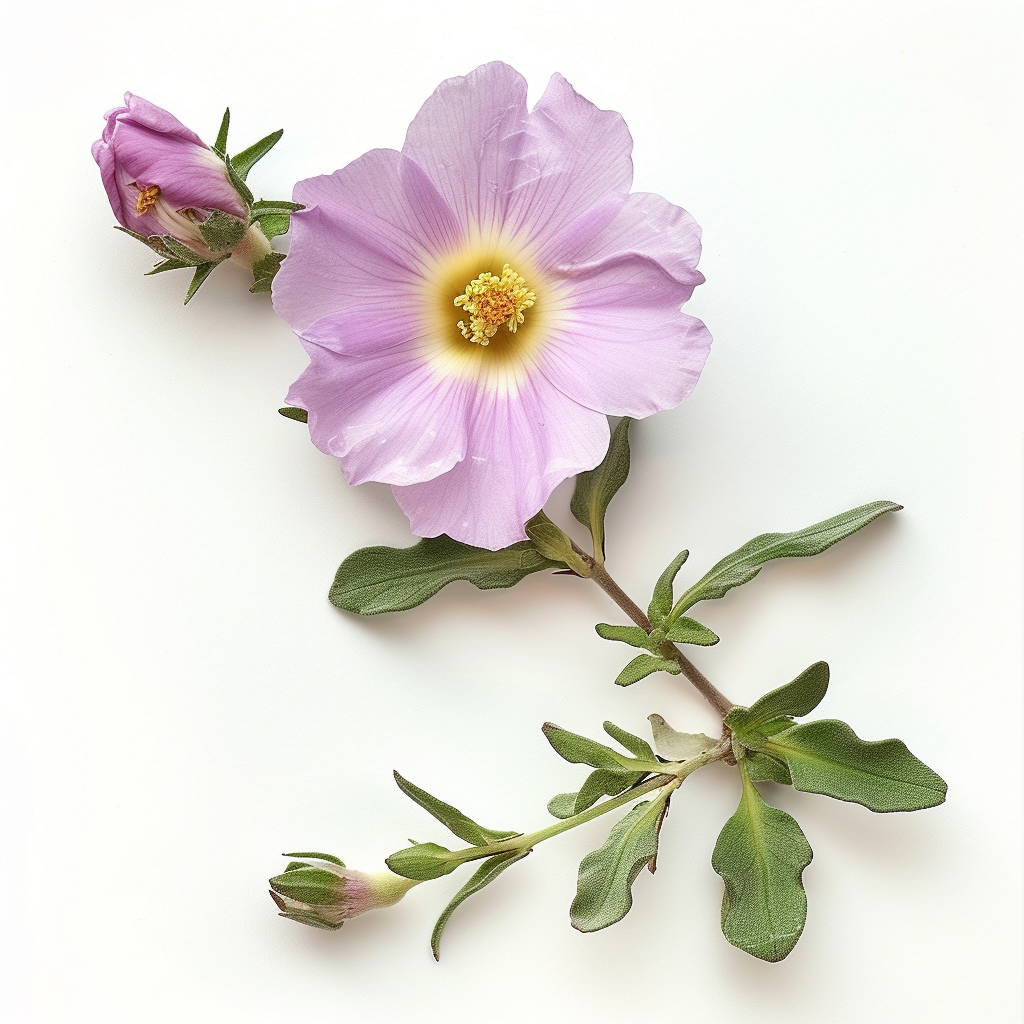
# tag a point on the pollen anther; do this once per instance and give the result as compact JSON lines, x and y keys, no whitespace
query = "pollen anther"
{"x":147,"y":198}
{"x":492,"y":301}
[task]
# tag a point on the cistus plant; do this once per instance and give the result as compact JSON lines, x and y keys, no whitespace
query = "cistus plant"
{"x":475,"y":308}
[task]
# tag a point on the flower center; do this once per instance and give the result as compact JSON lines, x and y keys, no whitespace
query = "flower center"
{"x":492,"y":301}
{"x":147,"y":198}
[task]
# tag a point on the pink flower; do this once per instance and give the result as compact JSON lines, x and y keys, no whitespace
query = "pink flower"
{"x":475,"y":306}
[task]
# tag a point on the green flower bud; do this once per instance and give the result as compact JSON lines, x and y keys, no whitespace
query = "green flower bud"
{"x":327,"y":894}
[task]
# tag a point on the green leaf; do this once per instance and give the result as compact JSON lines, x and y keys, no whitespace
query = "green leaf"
{"x":632,"y":635}
{"x":552,"y":543}
{"x":601,"y":782}
{"x":661,"y":602}
{"x":263,"y":270}
{"x":634,"y":744}
{"x":761,"y":854}
{"x":643,"y":665}
{"x":154,"y":242}
{"x":182,"y":252}
{"x":169,"y":264}
{"x":452,"y":818}
{"x":423,"y":861}
{"x":745,"y":563}
{"x":596,"y":488}
{"x":484,"y":875}
{"x":293,"y":413}
{"x":578,"y":749}
{"x":203,"y":271}
{"x":689,"y":631}
{"x":382,"y":579}
{"x":274,"y":216}
{"x":237,"y":183}
{"x":677,"y":746}
{"x":220,"y":231}
{"x":221,"y":145}
{"x":243,"y":162}
{"x":318,"y":856}
{"x":798,"y":698}
{"x":828,"y":757}
{"x":765,"y":768}
{"x":262,"y":206}
{"x":604,"y":887}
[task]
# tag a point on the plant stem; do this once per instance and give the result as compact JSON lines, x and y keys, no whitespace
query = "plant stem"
{"x":672,"y":779}
{"x":707,"y":689}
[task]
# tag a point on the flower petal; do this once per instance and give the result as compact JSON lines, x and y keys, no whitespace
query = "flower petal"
{"x":363,"y":237}
{"x":467,"y":137}
{"x":622,"y":345}
{"x":387,"y":416}
{"x":521,"y":446}
{"x":574,"y":156}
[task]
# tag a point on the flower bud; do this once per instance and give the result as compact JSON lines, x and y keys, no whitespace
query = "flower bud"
{"x":327,"y":894}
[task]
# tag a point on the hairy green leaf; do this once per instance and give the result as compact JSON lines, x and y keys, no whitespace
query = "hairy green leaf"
{"x":664,"y":594}
{"x":221,"y":145}
{"x":318,"y":856}
{"x":182,"y":252}
{"x":220,"y":231}
{"x":423,"y":861}
{"x":263,"y":270}
{"x":154,"y":242}
{"x":761,"y":854}
{"x":243,"y":162}
{"x":632,"y":635}
{"x":292,"y":413}
{"x":580,"y":750}
{"x":745,"y":563}
{"x":828,"y":757}
{"x":382,"y":579}
{"x":599,"y":783}
{"x":798,"y":698}
{"x":452,"y":818}
{"x":634,"y":744}
{"x":552,"y":542}
{"x":262,"y":206}
{"x":685,"y":630}
{"x":677,"y":746}
{"x":169,"y":264}
{"x":484,"y":875}
{"x":765,"y":768}
{"x":203,"y":271}
{"x":604,"y":888}
{"x":643,"y":665}
{"x":596,"y":488}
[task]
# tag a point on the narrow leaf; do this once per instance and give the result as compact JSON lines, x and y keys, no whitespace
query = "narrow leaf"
{"x":689,"y":631}
{"x":632,"y":635}
{"x":643,"y":665}
{"x":678,"y":746}
{"x":382,"y":579}
{"x":484,"y":875}
{"x":798,"y":698}
{"x":604,"y":887}
{"x":243,"y":162}
{"x":292,"y":413}
{"x":169,"y":264}
{"x":599,"y":783}
{"x":318,"y":856}
{"x":596,"y":488}
{"x":452,"y":818}
{"x":828,"y":757}
{"x":745,"y":563}
{"x":154,"y":242}
{"x":578,"y":749}
{"x":634,"y":744}
{"x":262,"y":206}
{"x":761,"y":854}
{"x":664,"y":595}
{"x":203,"y":271}
{"x":182,"y":252}
{"x":221,"y":145}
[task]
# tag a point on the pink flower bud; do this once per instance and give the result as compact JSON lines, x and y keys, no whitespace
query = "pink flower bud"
{"x":161,"y":178}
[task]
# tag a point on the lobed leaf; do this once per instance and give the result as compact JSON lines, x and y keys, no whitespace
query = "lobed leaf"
{"x":761,"y":854}
{"x":678,"y":746}
{"x":383,"y":579}
{"x":828,"y":757}
{"x":451,"y":817}
{"x":798,"y":698}
{"x":745,"y":563}
{"x":604,"y":892}
{"x":484,"y":875}
{"x":643,"y":665}
{"x":596,"y":488}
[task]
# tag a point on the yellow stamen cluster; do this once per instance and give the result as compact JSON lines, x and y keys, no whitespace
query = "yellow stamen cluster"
{"x":492,"y":301}
{"x":147,"y":198}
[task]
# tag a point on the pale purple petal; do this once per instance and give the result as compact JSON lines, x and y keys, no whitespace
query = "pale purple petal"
{"x":366,"y":236}
{"x":388,"y":416}
{"x":521,"y":446}
{"x":467,"y":137}
{"x":622,"y":345}
{"x":573,"y":158}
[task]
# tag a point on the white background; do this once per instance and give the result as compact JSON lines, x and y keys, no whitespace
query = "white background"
{"x":181,"y":702}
